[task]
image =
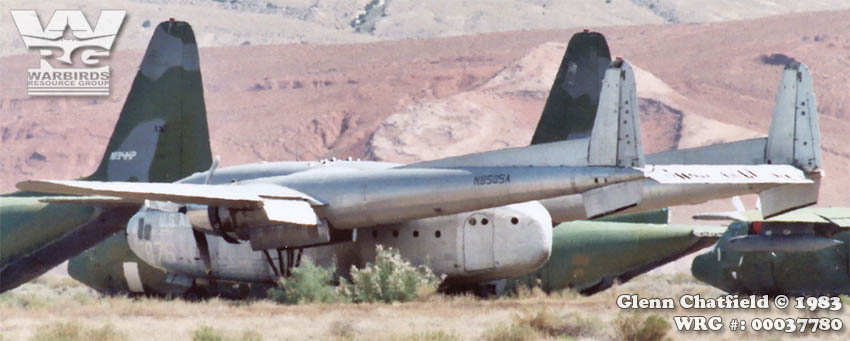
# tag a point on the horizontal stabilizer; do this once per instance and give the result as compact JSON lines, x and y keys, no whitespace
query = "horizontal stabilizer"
{"x":231,"y":196}
{"x":791,"y":243}
{"x":733,"y":215}
{"x":781,"y":199}
{"x":610,"y":199}
{"x":708,"y":231}
{"x":726,"y":174}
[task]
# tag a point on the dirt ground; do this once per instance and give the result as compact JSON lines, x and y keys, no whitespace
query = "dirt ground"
{"x":40,"y":309}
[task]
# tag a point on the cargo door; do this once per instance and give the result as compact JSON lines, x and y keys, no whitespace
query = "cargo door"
{"x":478,"y":242}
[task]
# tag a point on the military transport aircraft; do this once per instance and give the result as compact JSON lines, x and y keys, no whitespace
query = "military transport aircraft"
{"x":223,"y":220}
{"x":803,"y":252}
{"x":161,"y":136}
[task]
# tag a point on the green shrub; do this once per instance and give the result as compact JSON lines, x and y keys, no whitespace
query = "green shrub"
{"x":389,"y":279}
{"x":207,"y":333}
{"x":307,"y":284}
{"x":632,"y":326}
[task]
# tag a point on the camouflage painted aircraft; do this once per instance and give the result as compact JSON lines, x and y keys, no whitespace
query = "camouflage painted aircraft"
{"x":161,"y":136}
{"x":159,"y":232}
{"x":804,"y":252}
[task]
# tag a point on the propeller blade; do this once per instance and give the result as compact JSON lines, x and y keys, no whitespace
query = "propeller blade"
{"x":738,"y":204}
{"x":213,"y":166}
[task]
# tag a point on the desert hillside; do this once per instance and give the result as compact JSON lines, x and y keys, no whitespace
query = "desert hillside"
{"x":265,"y":22}
{"x":410,"y":99}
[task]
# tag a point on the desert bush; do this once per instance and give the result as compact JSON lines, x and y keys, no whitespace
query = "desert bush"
{"x":343,"y":329}
{"x":69,"y":331}
{"x":308,"y":284}
{"x":389,"y":279}
{"x":550,"y":324}
{"x":105,"y":333}
{"x":431,"y":335}
{"x":207,"y":333}
{"x":73,"y":331}
{"x":633,"y":326}
{"x":250,"y":335}
{"x":511,"y":332}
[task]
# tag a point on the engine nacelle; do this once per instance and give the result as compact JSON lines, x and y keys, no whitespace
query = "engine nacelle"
{"x":235,"y":225}
{"x":230,"y":224}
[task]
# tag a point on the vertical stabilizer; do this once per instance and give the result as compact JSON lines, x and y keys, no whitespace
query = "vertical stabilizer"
{"x":161,"y":134}
{"x":571,"y":106}
{"x":615,"y":139}
{"x":794,"y":135}
{"x":794,"y":139}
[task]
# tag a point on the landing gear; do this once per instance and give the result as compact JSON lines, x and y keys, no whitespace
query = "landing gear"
{"x":284,"y":269}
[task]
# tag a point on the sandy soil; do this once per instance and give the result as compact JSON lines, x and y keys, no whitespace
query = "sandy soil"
{"x":42,"y":305}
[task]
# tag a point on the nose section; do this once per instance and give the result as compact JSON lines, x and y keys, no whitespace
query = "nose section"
{"x":702,"y":267}
{"x":709,"y":269}
{"x":523,"y":240}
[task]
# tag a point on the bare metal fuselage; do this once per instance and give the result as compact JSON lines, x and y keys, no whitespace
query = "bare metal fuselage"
{"x":504,"y":252}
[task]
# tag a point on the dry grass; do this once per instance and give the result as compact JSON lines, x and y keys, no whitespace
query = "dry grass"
{"x":50,"y":308}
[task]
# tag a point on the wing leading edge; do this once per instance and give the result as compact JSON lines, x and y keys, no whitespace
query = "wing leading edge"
{"x":281,"y":204}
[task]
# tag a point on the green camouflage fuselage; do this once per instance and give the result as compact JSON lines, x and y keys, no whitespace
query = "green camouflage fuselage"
{"x":822,"y":272}
{"x":161,"y":136}
{"x":590,"y":256}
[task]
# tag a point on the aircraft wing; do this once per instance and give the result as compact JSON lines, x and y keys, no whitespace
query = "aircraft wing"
{"x":98,"y":200}
{"x":281,"y":204}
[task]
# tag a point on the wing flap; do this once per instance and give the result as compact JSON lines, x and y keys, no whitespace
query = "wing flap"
{"x":296,"y":212}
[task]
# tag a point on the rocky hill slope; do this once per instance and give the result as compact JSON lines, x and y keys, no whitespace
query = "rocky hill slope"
{"x":421,"y":99}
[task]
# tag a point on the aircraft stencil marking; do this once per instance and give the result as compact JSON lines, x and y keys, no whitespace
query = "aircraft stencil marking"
{"x":492,"y":179}
{"x":119,"y":155}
